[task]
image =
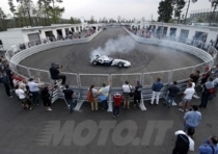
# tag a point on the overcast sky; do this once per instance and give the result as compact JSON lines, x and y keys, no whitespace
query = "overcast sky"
{"x":113,"y":8}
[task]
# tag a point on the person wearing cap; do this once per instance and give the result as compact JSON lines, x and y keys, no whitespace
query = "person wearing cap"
{"x":210,"y":146}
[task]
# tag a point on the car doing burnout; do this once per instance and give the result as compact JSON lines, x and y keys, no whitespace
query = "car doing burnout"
{"x":108,"y":61}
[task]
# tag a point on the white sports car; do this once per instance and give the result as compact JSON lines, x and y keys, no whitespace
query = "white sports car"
{"x":108,"y":61}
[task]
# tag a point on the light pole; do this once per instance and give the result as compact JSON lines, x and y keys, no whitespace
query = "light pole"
{"x":186,"y":14}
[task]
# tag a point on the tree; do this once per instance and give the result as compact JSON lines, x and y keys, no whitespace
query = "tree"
{"x":12,"y":9}
{"x":165,"y":11}
{"x":2,"y":20}
{"x":214,"y":4}
{"x":21,"y":16}
{"x":27,"y":6}
{"x":11,"y":6}
{"x":56,"y":11}
{"x":92,"y":20}
{"x":75,"y":20}
{"x":44,"y":8}
{"x":178,"y":6}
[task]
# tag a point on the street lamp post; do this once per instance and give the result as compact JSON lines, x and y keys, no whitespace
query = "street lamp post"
{"x":186,"y":14}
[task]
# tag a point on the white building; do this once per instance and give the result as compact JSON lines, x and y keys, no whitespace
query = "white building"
{"x":179,"y":32}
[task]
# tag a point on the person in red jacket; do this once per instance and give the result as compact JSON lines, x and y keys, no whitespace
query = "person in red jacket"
{"x":117,"y":101}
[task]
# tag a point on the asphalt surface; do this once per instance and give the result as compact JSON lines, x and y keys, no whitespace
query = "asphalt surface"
{"x":25,"y":132}
{"x":144,"y":58}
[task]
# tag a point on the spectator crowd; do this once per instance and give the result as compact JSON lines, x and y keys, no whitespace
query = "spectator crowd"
{"x":201,"y":86}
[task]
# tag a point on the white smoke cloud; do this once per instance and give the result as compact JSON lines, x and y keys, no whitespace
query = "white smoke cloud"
{"x":123,"y":44}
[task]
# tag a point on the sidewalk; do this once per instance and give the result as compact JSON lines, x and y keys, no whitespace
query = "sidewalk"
{"x":20,"y":130}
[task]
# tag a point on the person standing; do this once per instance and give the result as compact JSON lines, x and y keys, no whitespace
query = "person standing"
{"x":6,"y":82}
{"x":55,"y":73}
{"x":23,"y":98}
{"x":184,"y":142}
{"x":210,"y":146}
{"x":68,"y":94}
{"x":156,"y":88}
{"x":34,"y":89}
{"x":192,"y":118}
{"x":117,"y":101}
{"x":103,"y":94}
{"x":137,"y":94}
{"x":127,"y":90}
{"x":46,"y":98}
{"x":1,"y":44}
{"x":9,"y":74}
{"x":195,"y":76}
{"x":208,"y":91}
{"x":205,"y":75}
{"x":188,"y":94}
{"x":173,"y":91}
{"x":91,"y":98}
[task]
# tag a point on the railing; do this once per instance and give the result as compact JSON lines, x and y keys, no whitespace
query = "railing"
{"x":85,"y":80}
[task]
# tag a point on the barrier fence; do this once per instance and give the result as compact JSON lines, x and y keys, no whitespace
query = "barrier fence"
{"x":85,"y":80}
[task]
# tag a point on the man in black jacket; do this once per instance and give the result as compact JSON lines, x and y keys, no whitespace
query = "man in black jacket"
{"x":55,"y":73}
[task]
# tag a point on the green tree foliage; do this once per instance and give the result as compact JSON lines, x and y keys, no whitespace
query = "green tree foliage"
{"x":26,"y":8}
{"x":12,"y":9}
{"x":214,"y":4}
{"x":44,"y":10}
{"x":55,"y":11}
{"x":165,"y":11}
{"x":178,"y":6}
{"x":11,"y":6}
{"x":92,"y":20}
{"x":21,"y":16}
{"x":75,"y":20}
{"x":2,"y":20}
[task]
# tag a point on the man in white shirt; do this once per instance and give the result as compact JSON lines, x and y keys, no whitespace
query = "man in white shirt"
{"x":127,"y":89}
{"x":34,"y":91}
{"x":22,"y":97}
{"x":188,"y":94}
{"x":104,"y":90}
{"x":103,"y":94}
{"x":20,"y":93}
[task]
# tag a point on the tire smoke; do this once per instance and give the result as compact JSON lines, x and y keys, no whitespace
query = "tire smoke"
{"x":123,"y":44}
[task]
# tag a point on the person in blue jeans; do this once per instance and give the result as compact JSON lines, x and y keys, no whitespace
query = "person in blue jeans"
{"x":156,"y":88}
{"x":210,"y":146}
{"x":68,"y":93}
